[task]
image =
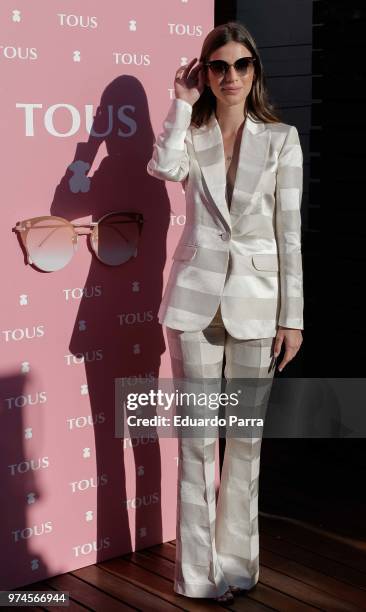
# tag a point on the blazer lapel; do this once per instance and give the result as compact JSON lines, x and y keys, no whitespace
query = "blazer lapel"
{"x":209,"y":148}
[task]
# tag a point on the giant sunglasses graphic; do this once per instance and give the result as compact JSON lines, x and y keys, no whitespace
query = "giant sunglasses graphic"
{"x":50,"y":241}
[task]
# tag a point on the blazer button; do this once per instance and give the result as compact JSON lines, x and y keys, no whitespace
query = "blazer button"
{"x":225,"y":236}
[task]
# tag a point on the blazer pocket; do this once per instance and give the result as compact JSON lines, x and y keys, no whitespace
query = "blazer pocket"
{"x":266,"y":261}
{"x":185,"y":252}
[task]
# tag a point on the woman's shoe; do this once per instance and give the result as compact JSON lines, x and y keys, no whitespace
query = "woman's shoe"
{"x":227,"y":597}
{"x":237,"y":590}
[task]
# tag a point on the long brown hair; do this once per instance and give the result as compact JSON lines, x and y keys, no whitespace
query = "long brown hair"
{"x":256,"y":103}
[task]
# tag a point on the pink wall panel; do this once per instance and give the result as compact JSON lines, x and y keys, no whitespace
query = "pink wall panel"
{"x":72,"y":493}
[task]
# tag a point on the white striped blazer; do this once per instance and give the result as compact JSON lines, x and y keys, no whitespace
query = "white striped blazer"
{"x":249,"y":257}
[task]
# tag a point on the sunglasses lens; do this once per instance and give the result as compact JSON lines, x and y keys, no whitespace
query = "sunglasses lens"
{"x":50,"y":244}
{"x":218,"y":67}
{"x":241,"y":65}
{"x":115,"y":239}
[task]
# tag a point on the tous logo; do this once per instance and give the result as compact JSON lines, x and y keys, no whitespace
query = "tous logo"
{"x":79,"y":181}
{"x":132,"y":381}
{"x":25,"y":333}
{"x":22,"y":53}
{"x":132,"y":442}
{"x":134,"y":59}
{"x":87,"y":357}
{"x":30,"y":498}
{"x":75,"y":119}
{"x":131,"y":318}
{"x":77,"y":21}
{"x":16,"y":16}
{"x":89,"y":515}
{"x":26,"y":466}
{"x":30,"y":532}
{"x":144,"y":500}
{"x":89,"y":547}
{"x":85,"y":421}
{"x":89,"y":483}
{"x":185,"y":30}
{"x":177,"y":219}
{"x":79,"y":292}
{"x":20,"y":401}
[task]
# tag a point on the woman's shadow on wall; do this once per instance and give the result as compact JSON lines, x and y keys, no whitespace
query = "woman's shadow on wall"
{"x":116,"y":331}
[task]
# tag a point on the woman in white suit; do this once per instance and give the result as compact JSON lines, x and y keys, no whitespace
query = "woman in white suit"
{"x":235,"y":288}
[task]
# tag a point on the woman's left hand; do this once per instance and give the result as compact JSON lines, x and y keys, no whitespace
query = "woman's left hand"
{"x":293,"y":341}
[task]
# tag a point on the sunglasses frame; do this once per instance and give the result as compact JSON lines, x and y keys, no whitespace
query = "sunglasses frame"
{"x":24,"y":226}
{"x":251,"y":59}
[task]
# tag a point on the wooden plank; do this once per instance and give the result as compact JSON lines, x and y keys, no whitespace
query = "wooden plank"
{"x":166,"y":568}
{"x":314,"y":539}
{"x":154,"y":584}
{"x":346,"y":575}
{"x":303,"y":592}
{"x":337,"y":595}
{"x":86,"y":594}
{"x":263,"y":593}
{"x":118,"y":585}
{"x":276,"y":600}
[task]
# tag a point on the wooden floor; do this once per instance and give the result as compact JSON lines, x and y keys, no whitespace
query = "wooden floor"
{"x":302,"y":568}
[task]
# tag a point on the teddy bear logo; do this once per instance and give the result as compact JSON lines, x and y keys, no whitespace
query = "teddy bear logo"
{"x":16,"y":16}
{"x":84,"y":389}
{"x":31,"y":498}
{"x":79,"y":181}
{"x":34,"y":564}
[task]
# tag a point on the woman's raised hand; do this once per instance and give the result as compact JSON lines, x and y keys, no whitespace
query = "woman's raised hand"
{"x":189,"y":82}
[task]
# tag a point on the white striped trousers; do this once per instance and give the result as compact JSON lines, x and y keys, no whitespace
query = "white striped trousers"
{"x":217,"y":544}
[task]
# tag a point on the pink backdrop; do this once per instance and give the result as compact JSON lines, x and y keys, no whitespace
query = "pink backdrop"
{"x":72,"y":493}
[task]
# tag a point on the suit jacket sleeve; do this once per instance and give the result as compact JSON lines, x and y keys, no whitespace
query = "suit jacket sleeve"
{"x":289,"y":189}
{"x":170,"y":160}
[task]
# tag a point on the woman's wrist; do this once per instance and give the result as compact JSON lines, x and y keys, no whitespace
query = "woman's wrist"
{"x":184,"y":100}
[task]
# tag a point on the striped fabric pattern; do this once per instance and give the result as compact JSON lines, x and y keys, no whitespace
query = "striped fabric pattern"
{"x":217,"y":544}
{"x":248,"y":258}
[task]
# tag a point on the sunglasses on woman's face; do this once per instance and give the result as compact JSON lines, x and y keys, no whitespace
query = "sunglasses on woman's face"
{"x":50,"y":241}
{"x":220,"y":67}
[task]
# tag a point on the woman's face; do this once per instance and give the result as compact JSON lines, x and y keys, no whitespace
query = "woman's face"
{"x":230,"y":53}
